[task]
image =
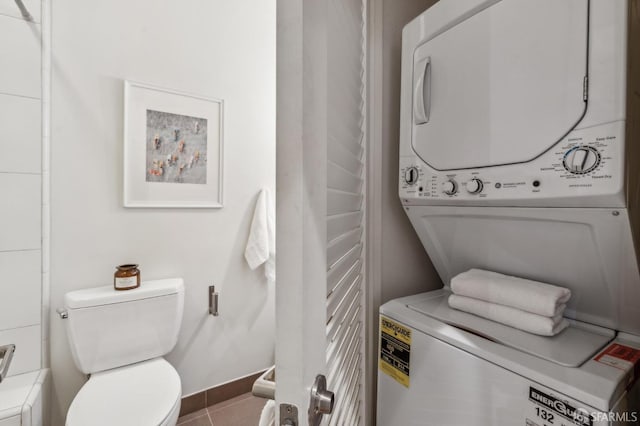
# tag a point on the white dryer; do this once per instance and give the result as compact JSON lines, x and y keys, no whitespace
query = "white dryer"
{"x":519,"y":150}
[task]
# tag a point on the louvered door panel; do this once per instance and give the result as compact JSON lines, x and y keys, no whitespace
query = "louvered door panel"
{"x":341,"y":224}
{"x":340,"y":179}
{"x":345,"y":208}
{"x":342,"y":266}
{"x":339,"y":247}
{"x":342,"y":157}
{"x":339,"y":202}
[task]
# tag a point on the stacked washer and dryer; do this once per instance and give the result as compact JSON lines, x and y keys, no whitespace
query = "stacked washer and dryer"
{"x":520,"y":154}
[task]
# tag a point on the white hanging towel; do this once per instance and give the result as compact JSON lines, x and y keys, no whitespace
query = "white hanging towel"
{"x":531,"y":296}
{"x":261,"y":247}
{"x":532,"y":323}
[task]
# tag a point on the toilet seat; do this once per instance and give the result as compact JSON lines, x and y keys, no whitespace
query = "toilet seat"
{"x":142,"y":394}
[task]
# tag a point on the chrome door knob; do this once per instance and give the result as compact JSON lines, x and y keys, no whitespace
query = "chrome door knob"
{"x":321,"y":401}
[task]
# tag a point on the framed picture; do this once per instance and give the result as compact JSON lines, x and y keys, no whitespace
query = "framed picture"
{"x":172,"y":148}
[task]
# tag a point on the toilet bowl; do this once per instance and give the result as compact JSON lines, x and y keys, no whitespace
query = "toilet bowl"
{"x":146,"y":393}
{"x":119,"y":338}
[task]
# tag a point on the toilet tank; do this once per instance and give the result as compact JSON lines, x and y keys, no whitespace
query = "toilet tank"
{"x":109,"y":328}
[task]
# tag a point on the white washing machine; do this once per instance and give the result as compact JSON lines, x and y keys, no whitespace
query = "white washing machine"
{"x":458,"y":369}
{"x":519,"y":152}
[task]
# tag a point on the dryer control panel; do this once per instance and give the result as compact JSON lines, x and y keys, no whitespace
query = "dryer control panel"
{"x":586,"y":163}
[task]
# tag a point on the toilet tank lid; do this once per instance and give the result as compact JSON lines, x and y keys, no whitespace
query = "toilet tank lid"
{"x":107,"y":295}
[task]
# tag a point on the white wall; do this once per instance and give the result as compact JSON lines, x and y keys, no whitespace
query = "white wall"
{"x":20,"y":185}
{"x":216,"y":48}
{"x":406,"y":268}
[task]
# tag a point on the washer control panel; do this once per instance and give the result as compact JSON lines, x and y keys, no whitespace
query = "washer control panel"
{"x":586,"y":162}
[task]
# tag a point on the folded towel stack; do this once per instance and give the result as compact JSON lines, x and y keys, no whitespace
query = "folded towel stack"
{"x":524,"y":304}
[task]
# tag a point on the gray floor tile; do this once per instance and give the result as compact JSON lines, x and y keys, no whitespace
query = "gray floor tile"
{"x":243,"y":410}
{"x":197,"y":418}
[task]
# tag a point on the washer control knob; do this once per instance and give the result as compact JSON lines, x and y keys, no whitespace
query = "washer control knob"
{"x":474,"y":186}
{"x":450,"y":187}
{"x":582,"y":159}
{"x":411,"y":175}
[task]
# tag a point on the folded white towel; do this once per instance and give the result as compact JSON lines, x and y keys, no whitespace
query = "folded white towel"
{"x":268,"y":415}
{"x":531,"y":296}
{"x":261,"y":247}
{"x":532,"y":323}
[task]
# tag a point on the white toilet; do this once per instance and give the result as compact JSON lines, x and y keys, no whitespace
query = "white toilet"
{"x":119,"y":338}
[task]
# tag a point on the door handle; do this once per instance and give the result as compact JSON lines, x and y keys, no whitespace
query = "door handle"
{"x":422,"y":92}
{"x":321,"y":401}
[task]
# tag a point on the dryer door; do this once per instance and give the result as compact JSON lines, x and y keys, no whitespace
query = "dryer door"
{"x":502,"y":86}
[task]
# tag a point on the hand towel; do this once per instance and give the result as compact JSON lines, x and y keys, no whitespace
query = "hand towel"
{"x":531,"y":296}
{"x":261,"y":246}
{"x":268,"y":415}
{"x":526,"y":321}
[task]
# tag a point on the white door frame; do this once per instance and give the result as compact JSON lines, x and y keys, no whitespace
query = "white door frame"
{"x":373,"y":201}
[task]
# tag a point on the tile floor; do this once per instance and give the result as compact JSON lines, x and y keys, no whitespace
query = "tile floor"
{"x":243,"y":410}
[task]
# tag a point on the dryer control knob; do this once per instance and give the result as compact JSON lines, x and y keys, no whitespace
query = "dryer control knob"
{"x":450,"y":187}
{"x":411,"y":175}
{"x":582,"y":159}
{"x":474,"y":186}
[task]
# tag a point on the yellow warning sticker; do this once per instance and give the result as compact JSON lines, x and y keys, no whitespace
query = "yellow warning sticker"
{"x":395,"y":350}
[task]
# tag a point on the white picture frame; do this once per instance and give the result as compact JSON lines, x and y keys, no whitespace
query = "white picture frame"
{"x":173,"y":148}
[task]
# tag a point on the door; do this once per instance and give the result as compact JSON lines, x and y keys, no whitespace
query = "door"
{"x":320,"y":209}
{"x":514,"y":73}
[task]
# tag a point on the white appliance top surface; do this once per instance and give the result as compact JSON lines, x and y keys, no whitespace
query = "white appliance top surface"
{"x":143,"y":394}
{"x":594,"y":383}
{"x":570,"y":348}
{"x":107,"y":295}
